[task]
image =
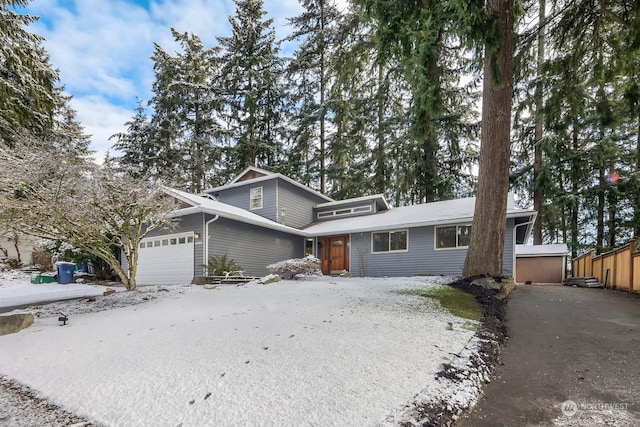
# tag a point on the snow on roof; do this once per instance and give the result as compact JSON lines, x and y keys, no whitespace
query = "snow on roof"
{"x":434,"y":213}
{"x":268,"y":176}
{"x":214,"y":207}
{"x":542,"y":250}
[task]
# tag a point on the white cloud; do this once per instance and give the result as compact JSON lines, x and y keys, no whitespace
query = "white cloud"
{"x":103,"y":49}
{"x":101,"y":119}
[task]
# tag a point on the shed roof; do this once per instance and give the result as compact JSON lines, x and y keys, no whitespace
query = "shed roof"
{"x":557,"y":249}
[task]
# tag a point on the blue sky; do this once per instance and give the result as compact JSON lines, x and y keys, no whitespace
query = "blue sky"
{"x":102,"y":49}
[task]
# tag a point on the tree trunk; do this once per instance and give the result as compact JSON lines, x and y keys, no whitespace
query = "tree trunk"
{"x":380,"y":178}
{"x":636,"y":228}
{"x":537,"y":159}
{"x":322,"y":102}
{"x":486,"y":248}
{"x":612,"y":202}
{"x":575,"y":189}
{"x":602,"y":183}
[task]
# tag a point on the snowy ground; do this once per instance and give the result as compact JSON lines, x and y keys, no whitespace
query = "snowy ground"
{"x":16,"y":289}
{"x":328,"y":351}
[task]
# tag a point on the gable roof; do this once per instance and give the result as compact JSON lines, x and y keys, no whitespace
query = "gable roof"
{"x":261,"y":176}
{"x":202,"y":203}
{"x":251,"y":172}
{"x":435,"y":213}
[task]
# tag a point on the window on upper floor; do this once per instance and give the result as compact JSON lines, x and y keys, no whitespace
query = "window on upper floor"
{"x":255,"y":198}
{"x":390,"y":241}
{"x":453,"y":236}
{"x":345,"y":211}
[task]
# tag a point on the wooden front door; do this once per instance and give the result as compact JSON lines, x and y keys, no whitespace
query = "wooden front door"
{"x":335,"y":254}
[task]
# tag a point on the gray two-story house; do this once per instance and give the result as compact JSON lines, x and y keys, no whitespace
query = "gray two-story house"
{"x":262,"y":217}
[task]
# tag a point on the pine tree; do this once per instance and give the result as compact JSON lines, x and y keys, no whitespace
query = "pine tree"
{"x":417,"y":36}
{"x":315,"y":30}
{"x":186,"y":104}
{"x":139,"y":155}
{"x":27,"y":80}
{"x":587,"y":42}
{"x":252,"y":84}
{"x":486,"y":246}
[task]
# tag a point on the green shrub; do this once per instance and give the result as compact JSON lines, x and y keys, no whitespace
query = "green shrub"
{"x":219,"y":264}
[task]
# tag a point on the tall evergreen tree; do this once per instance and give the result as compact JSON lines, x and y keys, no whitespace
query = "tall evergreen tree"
{"x":315,"y":30}
{"x":252,"y":84}
{"x":186,"y":104}
{"x":139,"y":154}
{"x":486,"y":246}
{"x":27,"y":80}
{"x":418,"y":36}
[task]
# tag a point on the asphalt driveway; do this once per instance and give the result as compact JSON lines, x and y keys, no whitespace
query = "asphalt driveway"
{"x":572,"y":359}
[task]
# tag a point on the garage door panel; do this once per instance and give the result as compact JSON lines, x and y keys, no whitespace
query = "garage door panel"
{"x":166,"y":260}
{"x":539,"y":269}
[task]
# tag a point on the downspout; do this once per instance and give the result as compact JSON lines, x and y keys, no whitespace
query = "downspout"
{"x":515,"y":233}
{"x":206,"y":240}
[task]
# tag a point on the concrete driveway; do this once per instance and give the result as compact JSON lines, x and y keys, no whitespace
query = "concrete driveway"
{"x":573,"y":359}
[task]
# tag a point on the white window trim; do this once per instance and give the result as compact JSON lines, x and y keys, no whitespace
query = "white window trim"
{"x":345,"y":211}
{"x":435,"y":237}
{"x":251,"y":198}
{"x":406,"y":230}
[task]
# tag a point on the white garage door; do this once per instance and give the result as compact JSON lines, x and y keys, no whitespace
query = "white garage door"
{"x":166,"y":260}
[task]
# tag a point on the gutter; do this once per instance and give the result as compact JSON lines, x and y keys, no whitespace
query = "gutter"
{"x":206,"y":240}
{"x":515,"y":229}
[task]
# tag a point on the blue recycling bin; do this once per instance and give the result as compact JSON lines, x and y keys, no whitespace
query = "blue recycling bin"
{"x":65,"y":272}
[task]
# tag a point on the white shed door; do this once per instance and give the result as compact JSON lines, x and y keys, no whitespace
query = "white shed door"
{"x":166,"y":260}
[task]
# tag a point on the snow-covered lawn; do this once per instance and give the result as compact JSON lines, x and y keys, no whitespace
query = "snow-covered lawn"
{"x":16,"y":289}
{"x":327,"y":351}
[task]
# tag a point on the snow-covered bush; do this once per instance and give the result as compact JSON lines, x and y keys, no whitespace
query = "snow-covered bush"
{"x":8,"y":263}
{"x":269,"y":278}
{"x":307,"y":266}
{"x":63,"y":251}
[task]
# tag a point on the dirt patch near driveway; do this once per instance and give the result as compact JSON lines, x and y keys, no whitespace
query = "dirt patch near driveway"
{"x":461,"y":380}
{"x":22,"y":407}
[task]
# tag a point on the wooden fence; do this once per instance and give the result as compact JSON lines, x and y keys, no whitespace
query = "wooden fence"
{"x":617,"y":269}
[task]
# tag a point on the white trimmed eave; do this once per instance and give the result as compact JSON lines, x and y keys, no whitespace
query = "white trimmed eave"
{"x":326,"y":231}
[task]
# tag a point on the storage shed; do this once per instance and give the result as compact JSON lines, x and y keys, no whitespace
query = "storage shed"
{"x":541,"y":263}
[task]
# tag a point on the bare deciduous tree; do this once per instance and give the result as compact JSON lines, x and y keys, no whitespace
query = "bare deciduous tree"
{"x":54,"y":194}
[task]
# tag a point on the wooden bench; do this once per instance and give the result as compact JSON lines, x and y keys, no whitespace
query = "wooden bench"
{"x":237,"y":273}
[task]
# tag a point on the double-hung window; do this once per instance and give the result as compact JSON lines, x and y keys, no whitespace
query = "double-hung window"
{"x":255,"y":198}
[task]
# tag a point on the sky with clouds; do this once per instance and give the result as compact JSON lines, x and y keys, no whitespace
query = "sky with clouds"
{"x":102,"y":49}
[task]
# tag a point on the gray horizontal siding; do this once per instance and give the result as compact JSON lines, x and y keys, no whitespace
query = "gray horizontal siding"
{"x":421,"y":258}
{"x":239,"y":197}
{"x":251,"y":247}
{"x":298,"y":203}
